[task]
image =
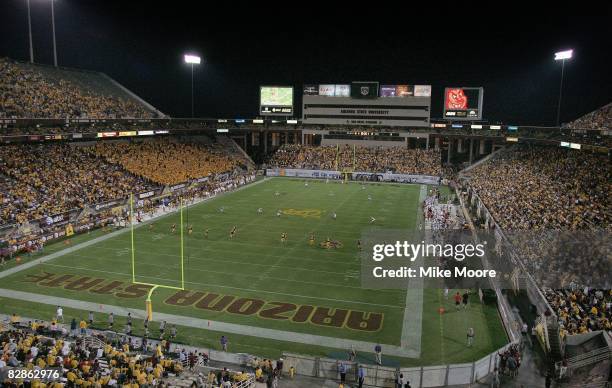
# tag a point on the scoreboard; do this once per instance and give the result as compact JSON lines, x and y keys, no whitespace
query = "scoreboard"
{"x":463,"y":103}
{"x":367,"y":103}
{"x":276,"y":100}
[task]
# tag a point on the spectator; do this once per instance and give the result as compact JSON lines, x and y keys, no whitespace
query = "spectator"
{"x":378,"y":352}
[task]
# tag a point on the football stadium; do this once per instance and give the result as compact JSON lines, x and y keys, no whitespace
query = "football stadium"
{"x":160,"y":227}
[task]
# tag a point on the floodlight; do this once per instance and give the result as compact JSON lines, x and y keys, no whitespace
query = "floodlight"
{"x":562,"y":55}
{"x":193,"y":59}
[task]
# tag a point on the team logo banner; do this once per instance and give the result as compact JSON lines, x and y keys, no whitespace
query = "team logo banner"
{"x":456,"y":99}
{"x":364,"y":90}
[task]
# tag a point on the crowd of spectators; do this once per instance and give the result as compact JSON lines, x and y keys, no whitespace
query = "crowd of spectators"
{"x":598,"y":119}
{"x":169,"y":161}
{"x":360,"y":158}
{"x":26,"y":91}
{"x":510,"y":361}
{"x":581,"y":310}
{"x":38,"y":181}
{"x":80,"y":363}
{"x":554,"y":207}
{"x":531,"y":187}
{"x":46,"y":179}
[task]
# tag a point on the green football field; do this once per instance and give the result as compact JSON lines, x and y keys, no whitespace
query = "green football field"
{"x":310,"y":294}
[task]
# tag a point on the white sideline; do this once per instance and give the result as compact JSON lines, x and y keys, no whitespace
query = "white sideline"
{"x":413,"y":310}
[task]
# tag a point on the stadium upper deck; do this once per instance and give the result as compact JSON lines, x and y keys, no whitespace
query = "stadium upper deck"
{"x":28,"y":90}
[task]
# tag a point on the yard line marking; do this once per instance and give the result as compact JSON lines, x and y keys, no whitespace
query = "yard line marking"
{"x":115,"y":233}
{"x":128,"y":276}
{"x":111,"y":259}
{"x":265,"y":274}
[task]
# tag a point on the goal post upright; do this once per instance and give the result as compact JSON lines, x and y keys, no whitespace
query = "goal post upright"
{"x":182,"y":246}
{"x":131,"y":220}
{"x":148,"y":302}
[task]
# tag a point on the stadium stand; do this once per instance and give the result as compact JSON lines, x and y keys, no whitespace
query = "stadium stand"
{"x":554,"y":206}
{"x":53,"y":178}
{"x":370,"y":159}
{"x":170,"y":161}
{"x":598,"y":119}
{"x":546,"y":188}
{"x":581,"y":310}
{"x":45,"y":179}
{"x":37,"y":91}
{"x":94,"y":358}
{"x":83,"y":364}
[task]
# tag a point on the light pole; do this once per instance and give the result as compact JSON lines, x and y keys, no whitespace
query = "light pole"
{"x":30,"y":32}
{"x":192,"y":60}
{"x":53,"y":27}
{"x":562,"y":56}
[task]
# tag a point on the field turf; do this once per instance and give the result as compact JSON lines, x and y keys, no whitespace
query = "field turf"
{"x":255,"y":279}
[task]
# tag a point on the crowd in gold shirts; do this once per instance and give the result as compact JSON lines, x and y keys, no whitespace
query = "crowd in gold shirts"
{"x":582,"y":310}
{"x":532,"y":187}
{"x":170,"y":161}
{"x":26,"y":91}
{"x":359,"y":158}
{"x":46,"y":179}
{"x":42,"y":180}
{"x":83,"y":366}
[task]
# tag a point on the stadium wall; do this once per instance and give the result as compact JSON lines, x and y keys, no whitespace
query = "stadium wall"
{"x":355,"y":175}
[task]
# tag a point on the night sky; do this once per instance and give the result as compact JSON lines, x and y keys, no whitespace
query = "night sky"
{"x":509,"y":52}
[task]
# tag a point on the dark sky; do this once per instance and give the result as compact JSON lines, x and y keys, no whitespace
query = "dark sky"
{"x":507,"y":51}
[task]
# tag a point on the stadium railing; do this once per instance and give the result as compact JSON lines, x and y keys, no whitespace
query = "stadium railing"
{"x":534,"y":292}
{"x":383,"y":376}
{"x":504,"y":308}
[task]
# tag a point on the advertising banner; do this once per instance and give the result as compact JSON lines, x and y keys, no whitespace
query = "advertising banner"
{"x":327,"y":90}
{"x":311,"y":90}
{"x":422,"y":90}
{"x":146,"y":195}
{"x":342,"y":91}
{"x":363,"y":176}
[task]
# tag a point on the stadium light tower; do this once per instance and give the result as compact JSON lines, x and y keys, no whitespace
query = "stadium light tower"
{"x":53,"y":27}
{"x":30,"y":32}
{"x":562,"y":56}
{"x":192,"y":60}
